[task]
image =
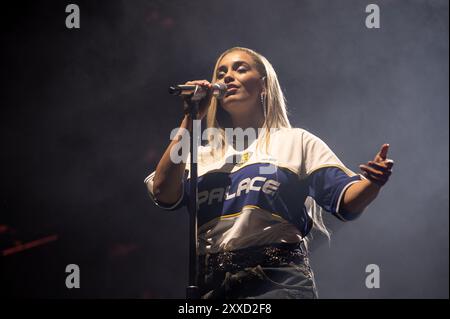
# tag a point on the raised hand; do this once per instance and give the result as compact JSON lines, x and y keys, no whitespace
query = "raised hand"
{"x":378,"y":170}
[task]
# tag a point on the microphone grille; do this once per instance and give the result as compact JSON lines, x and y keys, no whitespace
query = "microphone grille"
{"x":220,"y":90}
{"x":221,"y":86}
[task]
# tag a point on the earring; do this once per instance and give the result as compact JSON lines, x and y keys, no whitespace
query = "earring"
{"x":263,"y":103}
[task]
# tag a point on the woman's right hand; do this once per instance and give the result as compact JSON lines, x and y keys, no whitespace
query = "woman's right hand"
{"x":204,"y":103}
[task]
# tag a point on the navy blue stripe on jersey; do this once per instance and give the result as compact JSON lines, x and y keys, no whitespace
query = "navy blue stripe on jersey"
{"x":280,"y":192}
{"x":326,"y":184}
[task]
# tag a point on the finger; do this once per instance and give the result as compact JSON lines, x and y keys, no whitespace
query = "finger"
{"x":199,"y":82}
{"x":384,"y":150}
{"x":192,"y":83}
{"x":386,"y":163}
{"x":389,"y":163}
{"x":379,"y":179}
{"x":381,"y":155}
{"x":382,"y":166}
{"x":372,"y":171}
{"x":205,"y":84}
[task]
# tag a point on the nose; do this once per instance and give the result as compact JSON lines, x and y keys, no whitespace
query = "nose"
{"x":228,"y":78}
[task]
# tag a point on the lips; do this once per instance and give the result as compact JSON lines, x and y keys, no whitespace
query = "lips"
{"x":231,"y":89}
{"x":229,"y":86}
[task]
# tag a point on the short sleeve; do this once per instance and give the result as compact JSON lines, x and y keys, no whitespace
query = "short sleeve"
{"x":326,"y":176}
{"x":178,"y":204}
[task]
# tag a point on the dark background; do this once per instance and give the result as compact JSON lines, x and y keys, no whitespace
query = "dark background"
{"x":85,"y":115}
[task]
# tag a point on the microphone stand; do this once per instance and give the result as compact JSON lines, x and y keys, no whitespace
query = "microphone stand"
{"x":192,"y":291}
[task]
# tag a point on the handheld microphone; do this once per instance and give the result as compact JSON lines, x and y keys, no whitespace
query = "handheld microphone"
{"x":199,"y":92}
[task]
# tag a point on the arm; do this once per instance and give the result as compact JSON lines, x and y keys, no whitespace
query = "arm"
{"x":167,"y":184}
{"x":359,"y":195}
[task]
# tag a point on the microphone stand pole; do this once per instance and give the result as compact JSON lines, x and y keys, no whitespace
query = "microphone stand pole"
{"x":192,"y":291}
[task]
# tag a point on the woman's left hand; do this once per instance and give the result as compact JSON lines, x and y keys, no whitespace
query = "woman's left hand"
{"x":378,"y":170}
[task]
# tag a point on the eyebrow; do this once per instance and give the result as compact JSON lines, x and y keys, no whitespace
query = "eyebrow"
{"x":222,"y":67}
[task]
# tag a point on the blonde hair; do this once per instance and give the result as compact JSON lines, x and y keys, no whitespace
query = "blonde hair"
{"x":274,"y":107}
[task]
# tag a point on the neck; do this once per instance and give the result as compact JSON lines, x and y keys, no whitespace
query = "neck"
{"x":246,"y":121}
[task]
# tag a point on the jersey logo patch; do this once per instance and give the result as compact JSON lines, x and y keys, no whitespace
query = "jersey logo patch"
{"x":244,"y":159}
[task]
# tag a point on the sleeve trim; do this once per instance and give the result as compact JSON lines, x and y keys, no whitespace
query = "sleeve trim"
{"x":341,"y":197}
{"x":149,"y":181}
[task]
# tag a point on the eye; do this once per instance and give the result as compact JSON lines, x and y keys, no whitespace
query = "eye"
{"x":221,"y":74}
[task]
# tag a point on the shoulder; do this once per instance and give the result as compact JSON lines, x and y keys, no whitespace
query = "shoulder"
{"x":301,"y":141}
{"x":294,"y":134}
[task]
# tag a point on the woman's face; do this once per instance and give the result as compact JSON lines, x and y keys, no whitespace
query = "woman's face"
{"x":238,"y":71}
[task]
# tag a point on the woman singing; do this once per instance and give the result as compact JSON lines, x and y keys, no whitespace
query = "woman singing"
{"x":260,"y":197}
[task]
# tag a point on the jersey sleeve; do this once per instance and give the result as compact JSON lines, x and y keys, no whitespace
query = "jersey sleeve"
{"x":167,"y":206}
{"x":326,"y":176}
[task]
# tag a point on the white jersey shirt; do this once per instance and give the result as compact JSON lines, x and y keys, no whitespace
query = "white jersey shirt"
{"x":259,"y":197}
